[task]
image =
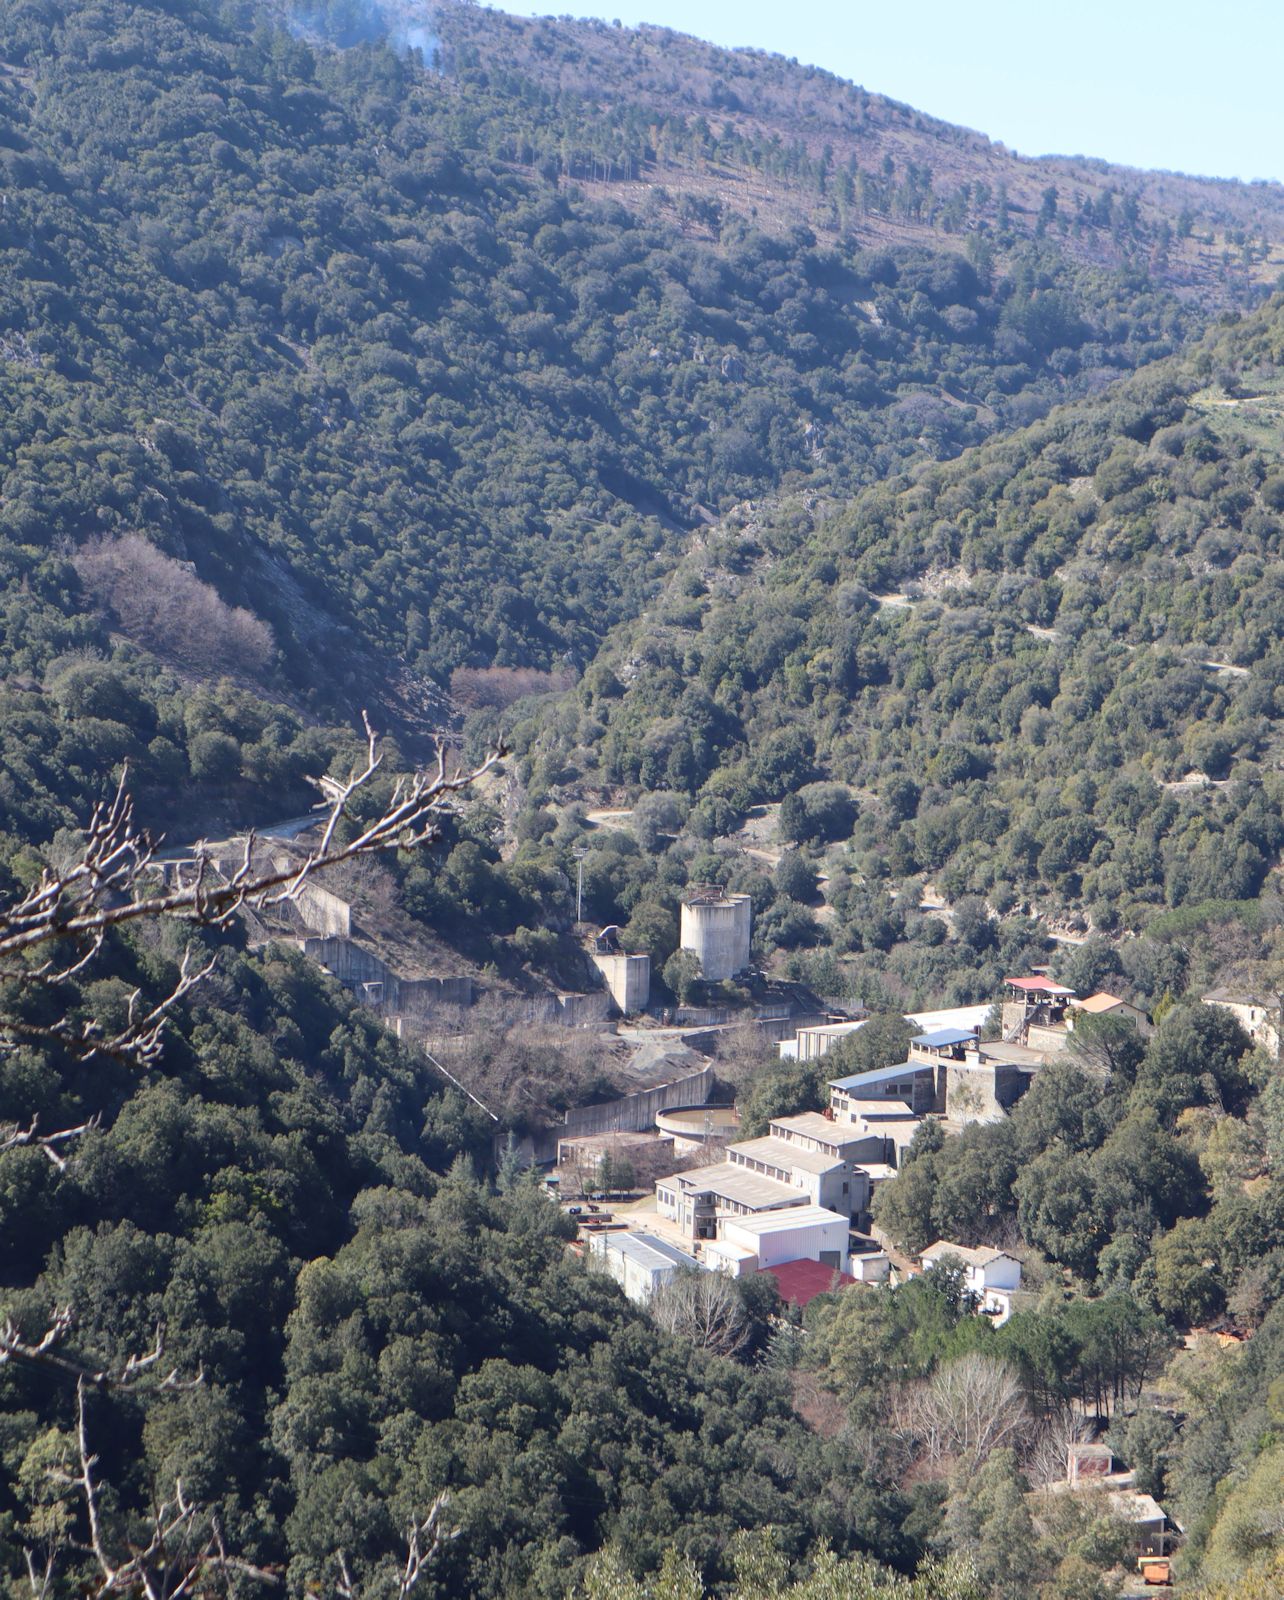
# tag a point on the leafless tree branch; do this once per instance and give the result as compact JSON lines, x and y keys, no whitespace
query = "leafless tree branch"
{"x":48,"y":1351}
{"x":108,"y":886}
{"x":702,"y":1307}
{"x":184,"y":1546}
{"x":14,"y":1137}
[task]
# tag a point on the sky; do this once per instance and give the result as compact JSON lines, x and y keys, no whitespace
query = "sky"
{"x":1188,"y":85}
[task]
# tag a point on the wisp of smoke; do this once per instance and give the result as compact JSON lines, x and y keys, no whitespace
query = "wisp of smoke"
{"x":410,"y":28}
{"x":405,"y":24}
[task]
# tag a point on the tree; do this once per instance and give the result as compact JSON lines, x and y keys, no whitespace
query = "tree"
{"x":85,"y":897}
{"x":682,"y":975}
{"x":702,"y":1307}
{"x":965,"y":1411}
{"x":1145,"y":1440}
{"x":1106,"y":1046}
{"x":987,"y":1517}
{"x":881,"y":1041}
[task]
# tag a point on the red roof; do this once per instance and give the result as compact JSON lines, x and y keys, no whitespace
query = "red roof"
{"x":1037,"y":986}
{"x":800,"y":1282}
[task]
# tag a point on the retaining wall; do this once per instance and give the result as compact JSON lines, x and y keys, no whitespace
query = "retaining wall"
{"x":634,"y":1113}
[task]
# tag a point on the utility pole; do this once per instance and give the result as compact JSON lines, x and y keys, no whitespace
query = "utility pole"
{"x":579,"y":853}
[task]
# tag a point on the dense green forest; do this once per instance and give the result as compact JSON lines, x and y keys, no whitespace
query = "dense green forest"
{"x":1067,"y":704}
{"x":285,"y":313}
{"x":741,"y":446}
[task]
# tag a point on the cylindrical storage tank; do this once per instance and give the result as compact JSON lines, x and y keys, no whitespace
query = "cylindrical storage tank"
{"x":716,"y":928}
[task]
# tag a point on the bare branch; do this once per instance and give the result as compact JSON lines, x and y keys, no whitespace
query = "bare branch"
{"x":423,"y":1542}
{"x":47,"y":1352}
{"x":40,"y":1578}
{"x":184,"y":1545}
{"x":103,"y":888}
{"x":13,"y":1137}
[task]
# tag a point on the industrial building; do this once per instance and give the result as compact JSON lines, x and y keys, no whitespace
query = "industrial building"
{"x":811,"y":1130}
{"x":808,"y":1233}
{"x":826,"y":1180}
{"x":716,"y":927}
{"x":627,"y":975}
{"x":697,"y":1200}
{"x":640,"y":1263}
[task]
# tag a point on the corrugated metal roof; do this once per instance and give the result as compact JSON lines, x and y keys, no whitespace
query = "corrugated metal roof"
{"x":1038,"y":986}
{"x":739,"y":1185}
{"x":781,"y":1221}
{"x":953,"y":1017}
{"x":861,"y":1080}
{"x":648,"y":1250}
{"x":811,"y":1125}
{"x":944,"y":1037}
{"x":780,"y":1153}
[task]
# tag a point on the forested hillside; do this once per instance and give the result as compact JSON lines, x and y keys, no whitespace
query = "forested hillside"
{"x":1045,"y":674}
{"x":744,"y":449}
{"x":299,"y":317}
{"x":632,"y":110}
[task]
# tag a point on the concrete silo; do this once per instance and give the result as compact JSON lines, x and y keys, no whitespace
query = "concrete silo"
{"x":716,"y":927}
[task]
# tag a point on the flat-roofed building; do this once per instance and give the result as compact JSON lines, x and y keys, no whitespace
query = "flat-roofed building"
{"x":891,"y":1122}
{"x":639,"y":1262}
{"x":807,"y":1233}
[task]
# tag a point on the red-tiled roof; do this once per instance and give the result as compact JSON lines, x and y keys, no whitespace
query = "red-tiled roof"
{"x":801,"y":1281}
{"x":1037,"y":986}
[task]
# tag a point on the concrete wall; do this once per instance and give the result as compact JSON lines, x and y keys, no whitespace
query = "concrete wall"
{"x":693,"y":1127}
{"x":633,"y":1113}
{"x":324,"y":913}
{"x":579,"y":1010}
{"x":378,"y":985}
{"x":567,"y":1010}
{"x":628,"y":978}
{"x":718,"y":932}
{"x":982,"y":1092}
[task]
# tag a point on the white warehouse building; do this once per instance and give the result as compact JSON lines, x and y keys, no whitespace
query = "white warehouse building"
{"x":803,"y":1233}
{"x":639,"y":1262}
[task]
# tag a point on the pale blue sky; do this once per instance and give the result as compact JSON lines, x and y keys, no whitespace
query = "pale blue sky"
{"x":1185,"y":84}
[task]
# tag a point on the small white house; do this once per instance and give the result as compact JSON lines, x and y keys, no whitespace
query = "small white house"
{"x":991,"y":1276}
{"x":805,"y":1233}
{"x":639,"y":1262}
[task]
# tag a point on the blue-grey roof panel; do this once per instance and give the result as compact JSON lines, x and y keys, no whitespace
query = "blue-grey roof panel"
{"x":862,"y":1080}
{"x":943,"y":1038}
